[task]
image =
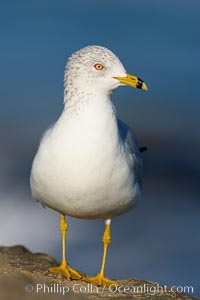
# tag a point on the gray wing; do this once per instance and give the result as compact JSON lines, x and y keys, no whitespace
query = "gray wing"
{"x":131,"y":143}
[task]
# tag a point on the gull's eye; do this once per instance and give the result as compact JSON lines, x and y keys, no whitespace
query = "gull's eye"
{"x":99,"y":67}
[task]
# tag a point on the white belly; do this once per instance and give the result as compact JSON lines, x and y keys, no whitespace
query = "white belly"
{"x":84,"y":178}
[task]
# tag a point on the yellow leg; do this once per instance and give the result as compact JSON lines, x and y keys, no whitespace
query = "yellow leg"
{"x":100,"y":279}
{"x":64,"y":268}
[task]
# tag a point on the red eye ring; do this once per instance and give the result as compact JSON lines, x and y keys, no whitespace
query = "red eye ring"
{"x":98,"y":67}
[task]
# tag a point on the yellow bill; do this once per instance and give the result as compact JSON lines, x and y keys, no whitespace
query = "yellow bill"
{"x":133,"y":81}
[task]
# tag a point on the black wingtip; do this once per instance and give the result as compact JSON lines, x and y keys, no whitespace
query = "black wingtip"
{"x":143,"y":149}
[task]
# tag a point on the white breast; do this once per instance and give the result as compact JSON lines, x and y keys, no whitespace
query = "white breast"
{"x":82,"y":168}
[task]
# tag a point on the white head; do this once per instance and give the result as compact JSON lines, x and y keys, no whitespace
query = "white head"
{"x":95,"y":70}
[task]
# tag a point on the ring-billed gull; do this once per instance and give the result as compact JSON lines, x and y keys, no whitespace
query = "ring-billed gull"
{"x":88,"y":164}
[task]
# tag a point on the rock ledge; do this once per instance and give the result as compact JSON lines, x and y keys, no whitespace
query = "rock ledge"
{"x":24,"y":275}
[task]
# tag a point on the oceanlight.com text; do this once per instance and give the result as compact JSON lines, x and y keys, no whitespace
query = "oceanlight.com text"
{"x":57,"y":288}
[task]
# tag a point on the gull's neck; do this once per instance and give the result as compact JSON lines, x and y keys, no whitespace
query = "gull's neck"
{"x":93,"y":111}
{"x":79,"y":99}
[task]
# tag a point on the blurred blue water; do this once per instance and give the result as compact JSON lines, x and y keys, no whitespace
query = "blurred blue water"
{"x":160,"y":42}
